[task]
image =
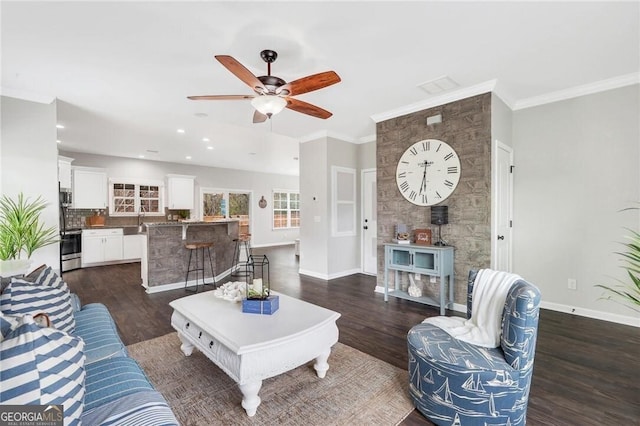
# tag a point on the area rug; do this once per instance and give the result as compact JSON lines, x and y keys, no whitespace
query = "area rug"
{"x":357,"y":390}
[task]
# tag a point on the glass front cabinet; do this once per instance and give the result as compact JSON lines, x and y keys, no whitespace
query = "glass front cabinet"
{"x":432,"y":261}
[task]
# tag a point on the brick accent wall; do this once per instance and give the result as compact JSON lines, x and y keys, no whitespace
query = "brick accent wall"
{"x":466,"y":126}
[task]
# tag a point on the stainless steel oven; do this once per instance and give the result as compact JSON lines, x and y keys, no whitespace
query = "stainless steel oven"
{"x":70,"y":249}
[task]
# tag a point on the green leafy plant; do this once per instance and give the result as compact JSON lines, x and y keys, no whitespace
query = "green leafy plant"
{"x":21,"y":230}
{"x":628,"y":292}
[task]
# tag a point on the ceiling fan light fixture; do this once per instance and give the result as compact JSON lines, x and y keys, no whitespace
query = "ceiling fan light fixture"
{"x":269,"y":104}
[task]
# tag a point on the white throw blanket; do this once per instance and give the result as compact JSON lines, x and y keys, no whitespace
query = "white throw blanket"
{"x":484,"y":327}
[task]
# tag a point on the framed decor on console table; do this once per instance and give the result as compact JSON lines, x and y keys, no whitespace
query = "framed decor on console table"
{"x":422,"y":237}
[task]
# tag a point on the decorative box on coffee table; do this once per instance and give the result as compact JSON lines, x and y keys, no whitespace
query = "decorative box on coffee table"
{"x":261,"y":306}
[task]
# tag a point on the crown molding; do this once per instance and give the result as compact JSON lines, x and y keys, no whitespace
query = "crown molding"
{"x":456,"y":95}
{"x":327,"y":134}
{"x":368,"y":138}
{"x":574,"y":92}
{"x":26,"y":95}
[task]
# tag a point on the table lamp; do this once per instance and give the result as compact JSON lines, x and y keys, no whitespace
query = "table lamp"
{"x":440,"y":216}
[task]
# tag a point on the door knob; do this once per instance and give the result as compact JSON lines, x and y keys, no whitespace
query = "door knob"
{"x":501,"y":237}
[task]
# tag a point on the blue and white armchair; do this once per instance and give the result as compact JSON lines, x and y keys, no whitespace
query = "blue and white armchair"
{"x":453,"y":382}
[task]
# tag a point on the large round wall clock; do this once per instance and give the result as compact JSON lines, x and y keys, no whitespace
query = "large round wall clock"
{"x":428,"y":172}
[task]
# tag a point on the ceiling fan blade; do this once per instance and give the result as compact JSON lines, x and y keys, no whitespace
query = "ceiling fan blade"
{"x":307,"y":108}
{"x":220,"y":97}
{"x":309,"y":83}
{"x":259,"y":117}
{"x":241,"y":72}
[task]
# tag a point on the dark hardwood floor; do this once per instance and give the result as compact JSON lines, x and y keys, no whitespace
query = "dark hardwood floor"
{"x":586,"y":371}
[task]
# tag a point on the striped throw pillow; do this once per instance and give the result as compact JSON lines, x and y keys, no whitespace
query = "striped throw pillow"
{"x":49,"y":278}
{"x":42,"y":366}
{"x":22,"y":297}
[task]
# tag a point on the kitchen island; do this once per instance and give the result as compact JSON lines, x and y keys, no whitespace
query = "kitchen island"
{"x":164,"y":257}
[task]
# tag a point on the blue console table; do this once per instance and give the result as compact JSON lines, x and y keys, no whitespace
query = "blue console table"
{"x":425,"y":260}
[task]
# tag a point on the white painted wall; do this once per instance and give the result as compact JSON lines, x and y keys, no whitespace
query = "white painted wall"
{"x":501,"y":121}
{"x":29,"y":162}
{"x":576,"y":168}
{"x":344,"y":252}
{"x":321,"y":254}
{"x":262,"y":232}
{"x":314,"y":208}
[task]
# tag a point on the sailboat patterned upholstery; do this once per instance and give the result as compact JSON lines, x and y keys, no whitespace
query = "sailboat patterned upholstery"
{"x":453,"y":382}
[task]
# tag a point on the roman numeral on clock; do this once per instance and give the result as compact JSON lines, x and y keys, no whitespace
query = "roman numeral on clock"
{"x":426,"y":145}
{"x":448,"y":156}
{"x":448,"y":184}
{"x":402,"y":174}
{"x":413,"y":150}
{"x":413,"y":195}
{"x":453,"y":169}
{"x":424,"y":199}
{"x":404,"y":186}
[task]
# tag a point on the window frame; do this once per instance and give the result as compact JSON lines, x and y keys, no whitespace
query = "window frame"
{"x":137,"y":184}
{"x":288,"y":210}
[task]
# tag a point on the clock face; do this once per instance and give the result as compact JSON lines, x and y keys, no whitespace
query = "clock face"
{"x":428,"y":172}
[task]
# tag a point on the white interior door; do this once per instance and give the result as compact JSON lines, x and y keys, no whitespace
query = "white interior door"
{"x":502,"y":207}
{"x":369,"y":223}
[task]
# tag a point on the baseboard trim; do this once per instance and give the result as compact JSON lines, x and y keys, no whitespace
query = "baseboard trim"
{"x":286,"y":243}
{"x":313,"y":274}
{"x":328,"y":277}
{"x":590,"y":313}
{"x":178,"y":285}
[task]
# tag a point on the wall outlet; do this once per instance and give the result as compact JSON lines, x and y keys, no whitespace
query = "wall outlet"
{"x":572,"y":284}
{"x":418,"y":277}
{"x":433,"y":279}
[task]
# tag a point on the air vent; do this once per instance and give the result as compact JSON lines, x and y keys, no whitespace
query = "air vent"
{"x":441,"y":84}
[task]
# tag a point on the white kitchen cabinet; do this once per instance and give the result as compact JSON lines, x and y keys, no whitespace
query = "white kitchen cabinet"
{"x":89,"y":188}
{"x":132,"y":247}
{"x":64,"y":172}
{"x":101,"y":245}
{"x":180,"y":192}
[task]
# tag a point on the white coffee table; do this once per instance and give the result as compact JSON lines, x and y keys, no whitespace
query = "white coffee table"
{"x":253,"y":347}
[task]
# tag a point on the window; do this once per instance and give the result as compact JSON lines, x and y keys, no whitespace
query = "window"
{"x":286,"y":209}
{"x":128,"y":198}
{"x":226,"y":204}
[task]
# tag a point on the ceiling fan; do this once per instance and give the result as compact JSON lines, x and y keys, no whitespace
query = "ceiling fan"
{"x":273,"y":94}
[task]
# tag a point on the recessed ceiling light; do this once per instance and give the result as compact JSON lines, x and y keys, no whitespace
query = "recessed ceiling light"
{"x":180,"y":130}
{"x":205,"y":139}
{"x":209,"y":147}
{"x":188,"y":157}
{"x":140,"y":156}
{"x":58,"y":141}
{"x":59,"y":126}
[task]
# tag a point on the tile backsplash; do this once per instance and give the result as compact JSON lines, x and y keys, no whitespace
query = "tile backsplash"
{"x":76,"y":218}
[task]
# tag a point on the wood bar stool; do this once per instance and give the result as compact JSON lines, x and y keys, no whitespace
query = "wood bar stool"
{"x":240,"y":266}
{"x":194,"y":246}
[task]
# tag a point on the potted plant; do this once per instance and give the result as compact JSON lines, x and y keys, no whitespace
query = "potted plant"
{"x":628,"y":292}
{"x":22,"y":233}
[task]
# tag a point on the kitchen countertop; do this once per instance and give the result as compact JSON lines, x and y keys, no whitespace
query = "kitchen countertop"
{"x":187,"y":222}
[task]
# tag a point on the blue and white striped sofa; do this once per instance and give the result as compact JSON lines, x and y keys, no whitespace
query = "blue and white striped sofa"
{"x":453,"y":382}
{"x":83,"y":367}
